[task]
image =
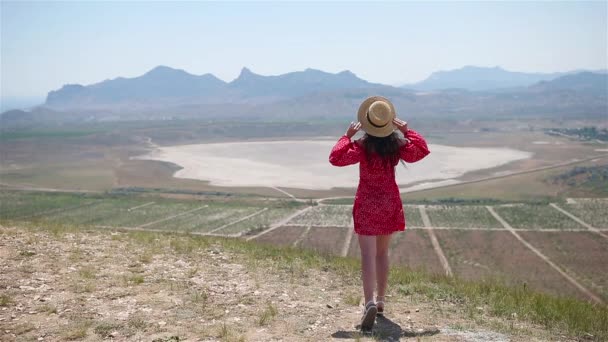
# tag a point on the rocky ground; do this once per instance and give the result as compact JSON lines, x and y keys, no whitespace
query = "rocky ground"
{"x":58,"y":285}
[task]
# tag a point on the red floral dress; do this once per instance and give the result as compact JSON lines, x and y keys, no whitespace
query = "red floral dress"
{"x":377,"y":209}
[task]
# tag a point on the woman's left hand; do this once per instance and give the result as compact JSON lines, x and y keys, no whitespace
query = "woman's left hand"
{"x":353,"y":129}
{"x":402,"y":125}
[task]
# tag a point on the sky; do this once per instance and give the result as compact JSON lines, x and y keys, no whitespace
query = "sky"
{"x":45,"y":45}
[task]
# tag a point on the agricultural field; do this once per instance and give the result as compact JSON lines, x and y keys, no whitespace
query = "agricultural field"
{"x":578,"y":253}
{"x":462,"y":216}
{"x":25,"y":205}
{"x":117,"y":213}
{"x":326,"y":240}
{"x":326,"y":215}
{"x":412,"y":216}
{"x":536,"y":217}
{"x":206,"y":219}
{"x":475,"y":244}
{"x":497,"y":254}
{"x":259,"y":222}
{"x":282,"y":236}
{"x":588,"y":209}
{"x":414,"y":249}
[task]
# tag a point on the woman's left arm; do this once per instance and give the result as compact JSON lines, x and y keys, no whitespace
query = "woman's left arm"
{"x":415,"y":147}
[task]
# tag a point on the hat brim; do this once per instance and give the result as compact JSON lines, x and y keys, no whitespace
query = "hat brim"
{"x":367,"y":126}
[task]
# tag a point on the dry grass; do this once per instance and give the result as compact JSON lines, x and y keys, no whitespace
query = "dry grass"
{"x":267,"y":315}
{"x":76,"y":330}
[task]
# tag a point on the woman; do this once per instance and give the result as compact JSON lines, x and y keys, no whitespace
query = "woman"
{"x":377,"y":210}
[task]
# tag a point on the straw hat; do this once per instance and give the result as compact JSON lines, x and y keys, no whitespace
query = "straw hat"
{"x":376,"y":116}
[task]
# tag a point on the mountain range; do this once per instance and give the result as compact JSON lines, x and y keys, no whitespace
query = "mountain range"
{"x":164,"y":92}
{"x":166,"y":86}
{"x":478,"y":79}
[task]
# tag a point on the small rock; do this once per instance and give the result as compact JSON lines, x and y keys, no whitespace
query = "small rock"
{"x":417,"y":310}
{"x":162,"y":323}
{"x":40,"y":338}
{"x":329,"y":306}
{"x":479,"y":308}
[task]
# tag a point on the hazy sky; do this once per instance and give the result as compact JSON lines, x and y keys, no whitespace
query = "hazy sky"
{"x":48,"y":44}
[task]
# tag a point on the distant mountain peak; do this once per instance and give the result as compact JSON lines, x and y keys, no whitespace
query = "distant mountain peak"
{"x":246,"y":72}
{"x":347,"y":72}
{"x":162,"y":70}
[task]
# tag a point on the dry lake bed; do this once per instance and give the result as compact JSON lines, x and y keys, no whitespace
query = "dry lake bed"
{"x":304,"y":164}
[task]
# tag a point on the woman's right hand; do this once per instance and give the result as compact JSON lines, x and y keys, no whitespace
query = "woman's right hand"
{"x":401,"y":125}
{"x":353,"y":129}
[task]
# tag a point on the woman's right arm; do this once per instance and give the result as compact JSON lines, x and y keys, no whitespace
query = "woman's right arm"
{"x":345,"y":152}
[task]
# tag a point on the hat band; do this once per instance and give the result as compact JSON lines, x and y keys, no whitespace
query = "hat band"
{"x":372,"y":123}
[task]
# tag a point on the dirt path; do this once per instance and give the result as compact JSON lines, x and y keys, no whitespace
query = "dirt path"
{"x":434,"y":241}
{"x":284,"y":192}
{"x":569,"y":278}
{"x":349,"y":238}
{"x":581,"y":222}
{"x":141,"y":206}
{"x":91,"y":286}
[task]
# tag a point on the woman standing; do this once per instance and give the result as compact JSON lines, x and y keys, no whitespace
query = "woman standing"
{"x":377,"y":210}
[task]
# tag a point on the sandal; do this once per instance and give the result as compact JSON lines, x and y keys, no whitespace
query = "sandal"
{"x":380,"y":306}
{"x":369,"y":316}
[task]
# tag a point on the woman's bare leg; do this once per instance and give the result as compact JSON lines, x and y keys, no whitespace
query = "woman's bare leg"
{"x":382,"y":244}
{"x":367,"y":244}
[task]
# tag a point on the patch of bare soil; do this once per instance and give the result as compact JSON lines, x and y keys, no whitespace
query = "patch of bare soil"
{"x":101,"y":285}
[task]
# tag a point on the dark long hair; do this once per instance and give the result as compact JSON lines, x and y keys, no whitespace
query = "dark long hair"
{"x":386,"y":147}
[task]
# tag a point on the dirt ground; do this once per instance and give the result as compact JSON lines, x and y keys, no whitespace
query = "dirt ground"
{"x":119,"y":286}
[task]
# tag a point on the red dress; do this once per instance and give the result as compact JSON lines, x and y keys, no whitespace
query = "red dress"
{"x":377,"y":209}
